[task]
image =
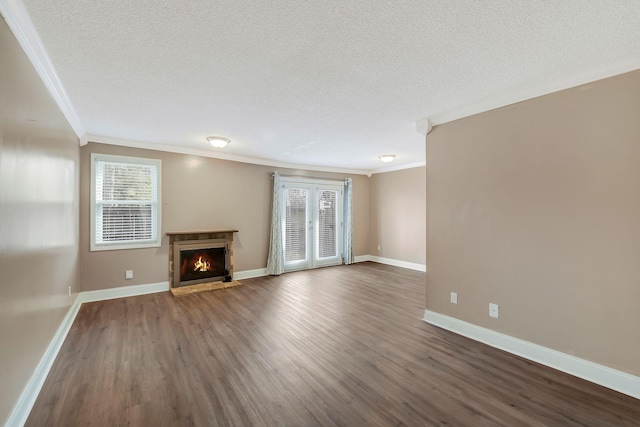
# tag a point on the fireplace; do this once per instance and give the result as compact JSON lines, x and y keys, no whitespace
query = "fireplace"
{"x":200,"y":260}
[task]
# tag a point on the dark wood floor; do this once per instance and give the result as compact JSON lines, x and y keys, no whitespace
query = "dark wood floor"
{"x":338,"y":346}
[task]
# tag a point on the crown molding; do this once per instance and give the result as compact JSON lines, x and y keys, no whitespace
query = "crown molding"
{"x":22,"y":28}
{"x":512,"y":97}
{"x":219,"y":155}
{"x":399,"y":167}
{"x":423,"y":126}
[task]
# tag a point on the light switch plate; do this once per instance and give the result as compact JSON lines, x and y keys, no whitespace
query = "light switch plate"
{"x":454,"y":298}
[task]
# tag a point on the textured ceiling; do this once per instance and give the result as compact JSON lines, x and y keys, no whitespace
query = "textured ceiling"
{"x":331,"y":83}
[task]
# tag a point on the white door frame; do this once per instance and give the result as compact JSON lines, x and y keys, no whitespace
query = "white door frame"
{"x":313,"y":187}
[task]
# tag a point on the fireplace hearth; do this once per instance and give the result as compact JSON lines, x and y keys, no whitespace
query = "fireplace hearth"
{"x":200,"y":260}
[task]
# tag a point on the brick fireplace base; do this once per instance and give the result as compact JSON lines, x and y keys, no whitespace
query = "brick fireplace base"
{"x":202,"y":287}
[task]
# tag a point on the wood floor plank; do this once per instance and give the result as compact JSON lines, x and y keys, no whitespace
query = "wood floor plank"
{"x":338,"y":346}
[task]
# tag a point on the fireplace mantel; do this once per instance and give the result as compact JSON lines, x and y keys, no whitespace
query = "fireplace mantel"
{"x":177,"y":233}
{"x":178,"y":239}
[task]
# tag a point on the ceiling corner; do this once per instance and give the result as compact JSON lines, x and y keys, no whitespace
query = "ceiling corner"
{"x":17,"y":17}
{"x":529,"y":92}
{"x":423,"y":126}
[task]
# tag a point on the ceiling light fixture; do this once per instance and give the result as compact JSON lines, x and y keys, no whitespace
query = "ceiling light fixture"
{"x":387,"y":157}
{"x":218,"y":141}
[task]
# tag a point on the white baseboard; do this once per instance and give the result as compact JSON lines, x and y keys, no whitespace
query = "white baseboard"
{"x":22,"y":408}
{"x":151,"y":288}
{"x":390,"y":261}
{"x":362,"y":258}
{"x":261,"y":272}
{"x":249,"y":274}
{"x":590,"y":371}
{"x":123,"y":291}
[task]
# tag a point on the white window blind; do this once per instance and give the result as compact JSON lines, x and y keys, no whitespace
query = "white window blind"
{"x":295,"y":224}
{"x":125,"y":203}
{"x":327,"y":222}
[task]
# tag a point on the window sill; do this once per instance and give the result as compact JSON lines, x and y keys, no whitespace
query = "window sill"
{"x":124,"y":246}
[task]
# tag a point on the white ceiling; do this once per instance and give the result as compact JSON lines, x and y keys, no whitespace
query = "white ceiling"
{"x":329,"y":84}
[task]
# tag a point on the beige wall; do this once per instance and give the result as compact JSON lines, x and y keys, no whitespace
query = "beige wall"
{"x":536,"y":207}
{"x":398,"y":208}
{"x":200,"y":193}
{"x":38,"y":219}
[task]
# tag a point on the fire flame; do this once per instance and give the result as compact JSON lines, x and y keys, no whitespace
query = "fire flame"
{"x":202,"y":265}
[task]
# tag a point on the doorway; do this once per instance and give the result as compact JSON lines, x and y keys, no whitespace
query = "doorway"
{"x":311,"y":223}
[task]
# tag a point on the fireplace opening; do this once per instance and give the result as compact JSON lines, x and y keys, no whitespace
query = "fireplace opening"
{"x":201,"y":263}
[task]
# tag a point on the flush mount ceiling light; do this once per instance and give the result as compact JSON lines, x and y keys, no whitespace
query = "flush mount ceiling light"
{"x":387,"y":157}
{"x":218,"y":141}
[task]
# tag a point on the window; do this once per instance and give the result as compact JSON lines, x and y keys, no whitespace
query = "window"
{"x":125,"y":202}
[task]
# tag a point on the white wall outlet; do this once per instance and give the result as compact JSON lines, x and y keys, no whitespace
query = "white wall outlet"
{"x":378,"y":247}
{"x":493,"y":310}
{"x":128,"y":274}
{"x":69,"y":290}
{"x":454,"y":298}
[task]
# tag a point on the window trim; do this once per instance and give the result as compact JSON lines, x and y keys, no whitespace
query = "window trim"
{"x":157,"y":230}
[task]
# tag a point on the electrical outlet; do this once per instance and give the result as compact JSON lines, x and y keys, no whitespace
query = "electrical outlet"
{"x":69,"y":290}
{"x":454,"y":298}
{"x":378,"y":247}
{"x":128,"y":274}
{"x":493,"y":310}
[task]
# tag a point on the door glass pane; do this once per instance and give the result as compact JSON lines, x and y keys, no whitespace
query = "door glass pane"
{"x":327,"y":224}
{"x":295,"y":225}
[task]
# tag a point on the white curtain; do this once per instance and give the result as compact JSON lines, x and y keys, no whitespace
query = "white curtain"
{"x":347,"y":231}
{"x":275,"y":262}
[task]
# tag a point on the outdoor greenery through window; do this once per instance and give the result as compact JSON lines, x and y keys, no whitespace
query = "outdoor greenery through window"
{"x":125,"y":202}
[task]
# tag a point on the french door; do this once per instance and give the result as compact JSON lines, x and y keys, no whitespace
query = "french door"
{"x":311,"y":224}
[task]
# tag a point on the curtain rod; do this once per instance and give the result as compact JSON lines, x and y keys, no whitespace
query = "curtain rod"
{"x":311,"y":177}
